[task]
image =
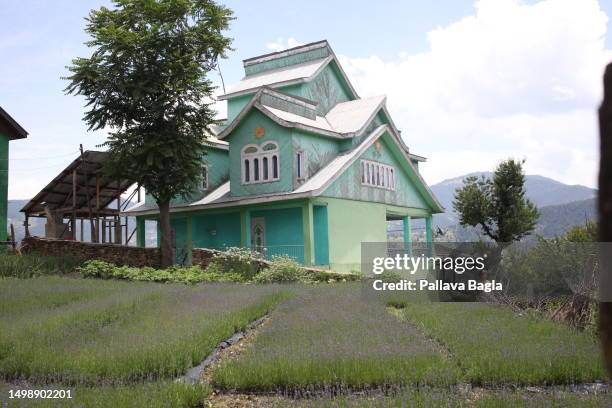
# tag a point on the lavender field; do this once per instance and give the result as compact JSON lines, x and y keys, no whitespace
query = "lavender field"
{"x":124,"y":344}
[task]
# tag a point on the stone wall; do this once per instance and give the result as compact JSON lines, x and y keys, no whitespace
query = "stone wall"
{"x":117,"y":254}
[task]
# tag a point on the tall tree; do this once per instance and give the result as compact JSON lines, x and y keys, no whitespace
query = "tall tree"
{"x":497,"y":205}
{"x":146,"y":82}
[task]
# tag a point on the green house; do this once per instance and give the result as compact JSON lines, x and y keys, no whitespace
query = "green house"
{"x":9,"y":130}
{"x":303,"y":167}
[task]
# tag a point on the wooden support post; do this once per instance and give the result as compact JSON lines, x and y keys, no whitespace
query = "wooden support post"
{"x":97,"y":208}
{"x":26,"y":225}
{"x":13,"y":241}
{"x":104,"y":229}
{"x":74,"y":203}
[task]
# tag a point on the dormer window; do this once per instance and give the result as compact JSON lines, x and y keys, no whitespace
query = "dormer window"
{"x":260,"y":163}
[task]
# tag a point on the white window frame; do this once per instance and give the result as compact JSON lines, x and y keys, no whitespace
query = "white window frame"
{"x":301,"y":167}
{"x":377,"y":175}
{"x":259,"y":155}
{"x":205,"y":179}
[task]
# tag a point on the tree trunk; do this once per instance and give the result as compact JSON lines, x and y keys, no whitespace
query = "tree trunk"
{"x":605,"y":216}
{"x":167,"y":255}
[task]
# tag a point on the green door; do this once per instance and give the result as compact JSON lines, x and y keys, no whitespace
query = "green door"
{"x":321,"y":240}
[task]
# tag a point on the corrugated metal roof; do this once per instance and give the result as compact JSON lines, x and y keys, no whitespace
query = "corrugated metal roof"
{"x":89,"y":178}
{"x":278,"y":77}
{"x":351,"y":116}
{"x":319,"y":122}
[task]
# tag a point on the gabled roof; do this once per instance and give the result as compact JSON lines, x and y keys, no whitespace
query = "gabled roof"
{"x":345,"y":120}
{"x":293,"y":74}
{"x":352,"y":116}
{"x":10,"y":127}
{"x":288,"y":75}
{"x":316,"y":185}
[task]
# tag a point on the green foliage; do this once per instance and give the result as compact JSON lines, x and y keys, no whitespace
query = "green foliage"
{"x":497,"y":205}
{"x":177,"y":274}
{"x":560,"y":266}
{"x":283,"y":269}
{"x":30,"y":265}
{"x":146,"y":82}
{"x":239,"y":261}
{"x":582,"y":233}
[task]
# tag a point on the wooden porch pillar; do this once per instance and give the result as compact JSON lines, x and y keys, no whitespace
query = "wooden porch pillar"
{"x":308,"y":225}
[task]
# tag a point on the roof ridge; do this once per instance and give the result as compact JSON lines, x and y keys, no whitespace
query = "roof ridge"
{"x":283,"y":53}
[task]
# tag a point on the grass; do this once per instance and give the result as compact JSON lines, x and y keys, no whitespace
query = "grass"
{"x":333,"y":338}
{"x":27,"y":266}
{"x":436,"y":398}
{"x":152,"y":395}
{"x":143,"y":332}
{"x":493,"y":345}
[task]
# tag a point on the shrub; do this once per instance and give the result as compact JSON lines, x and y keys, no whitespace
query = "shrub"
{"x":191,"y":275}
{"x":282,"y":269}
{"x":97,"y":269}
{"x":239,"y":261}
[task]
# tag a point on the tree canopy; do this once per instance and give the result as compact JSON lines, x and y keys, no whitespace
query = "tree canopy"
{"x":146,"y":82}
{"x":497,"y":205}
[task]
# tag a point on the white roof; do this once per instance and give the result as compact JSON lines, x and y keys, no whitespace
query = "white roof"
{"x":318,"y":122}
{"x":214,"y":195}
{"x":351,"y":116}
{"x":281,"y":76}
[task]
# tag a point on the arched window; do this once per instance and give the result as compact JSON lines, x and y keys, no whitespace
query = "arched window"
{"x":260,"y":163}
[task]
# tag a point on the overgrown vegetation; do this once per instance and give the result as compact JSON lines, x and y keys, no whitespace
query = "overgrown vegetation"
{"x":557,"y":276}
{"x":495,"y":346}
{"x":28,"y":266}
{"x":233,"y":265}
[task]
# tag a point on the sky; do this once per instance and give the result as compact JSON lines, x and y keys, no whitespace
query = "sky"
{"x":469,"y":83}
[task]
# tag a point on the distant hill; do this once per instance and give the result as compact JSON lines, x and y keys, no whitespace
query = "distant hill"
{"x":561,"y":206}
{"x":543,"y":191}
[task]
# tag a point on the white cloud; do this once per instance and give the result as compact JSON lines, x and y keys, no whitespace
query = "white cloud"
{"x":512,"y":80}
{"x":280,"y":44}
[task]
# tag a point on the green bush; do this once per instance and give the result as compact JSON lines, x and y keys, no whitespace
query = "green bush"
{"x":190,"y":275}
{"x":282,"y":269}
{"x":240,"y":261}
{"x":30,"y":265}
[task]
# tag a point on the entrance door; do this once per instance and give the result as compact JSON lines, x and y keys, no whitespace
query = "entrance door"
{"x":258,"y":234}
